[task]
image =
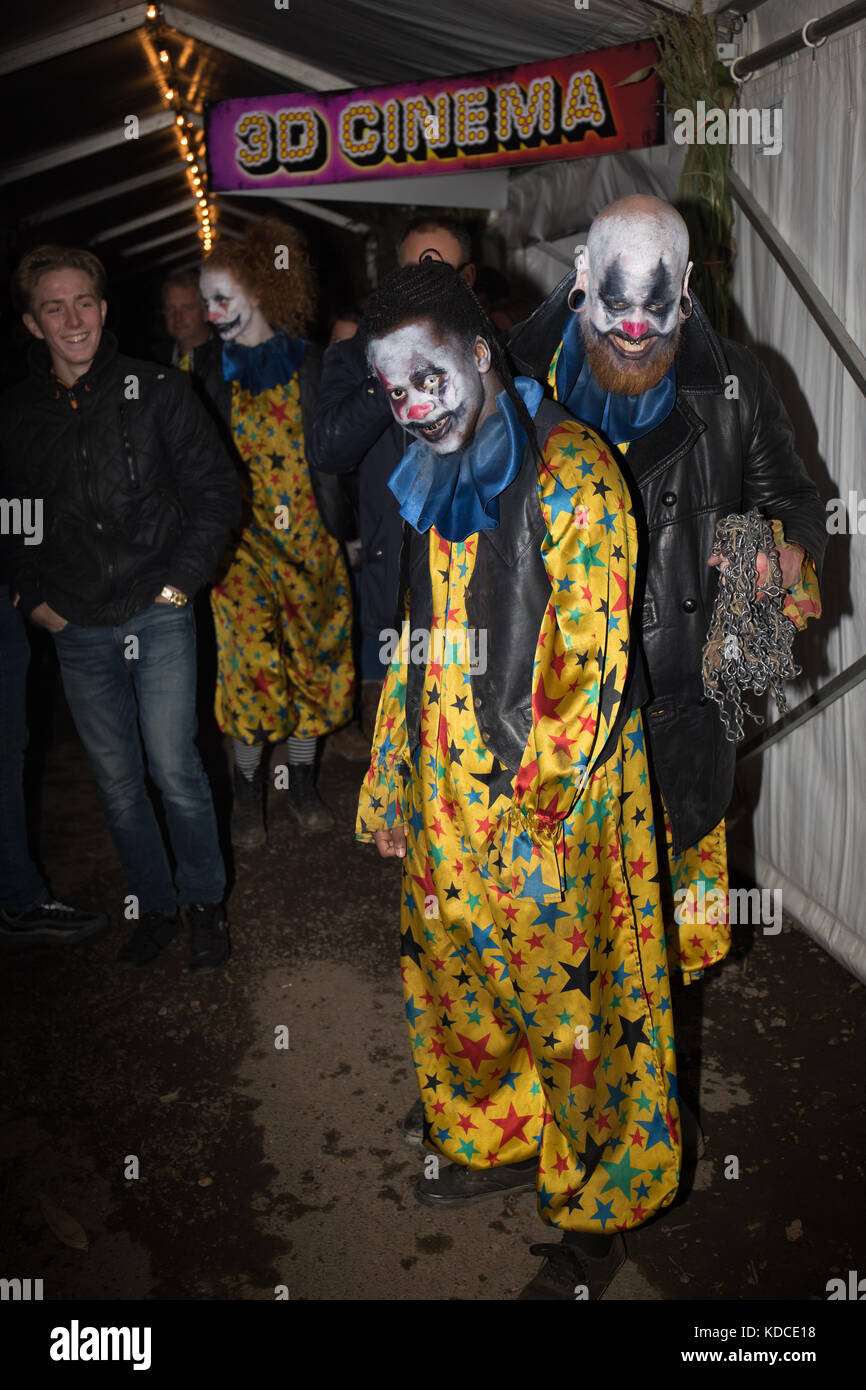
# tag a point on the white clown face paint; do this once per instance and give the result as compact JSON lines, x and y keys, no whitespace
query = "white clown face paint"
{"x":229,"y":306}
{"x":634,"y":270}
{"x":434,"y":383}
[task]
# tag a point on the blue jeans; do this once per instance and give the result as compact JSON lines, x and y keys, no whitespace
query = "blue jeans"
{"x":21,"y":884}
{"x":140,"y":678}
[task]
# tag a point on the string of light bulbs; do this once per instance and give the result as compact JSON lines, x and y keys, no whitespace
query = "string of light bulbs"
{"x":192,"y":147}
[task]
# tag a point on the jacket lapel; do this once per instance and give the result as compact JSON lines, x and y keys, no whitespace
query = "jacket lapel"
{"x":653,"y":452}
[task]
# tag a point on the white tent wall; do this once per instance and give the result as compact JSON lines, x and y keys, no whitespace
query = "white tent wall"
{"x":808,"y":830}
{"x":551,"y":206}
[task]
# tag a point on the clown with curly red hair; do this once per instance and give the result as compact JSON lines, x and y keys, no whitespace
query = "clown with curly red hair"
{"x":282,"y":605}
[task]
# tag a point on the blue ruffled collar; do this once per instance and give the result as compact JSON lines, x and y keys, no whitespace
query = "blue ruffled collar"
{"x":272,"y":363}
{"x":459,"y":493}
{"x":620,"y":418}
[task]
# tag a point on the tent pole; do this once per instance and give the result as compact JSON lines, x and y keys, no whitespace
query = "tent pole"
{"x":792,"y":43}
{"x":806,"y":710}
{"x":829,"y":322}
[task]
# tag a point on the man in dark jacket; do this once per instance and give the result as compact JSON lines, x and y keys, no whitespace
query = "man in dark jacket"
{"x":353,"y":428}
{"x":704,"y":434}
{"x":138,"y":500}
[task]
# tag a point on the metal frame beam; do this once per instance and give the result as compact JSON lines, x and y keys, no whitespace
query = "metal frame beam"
{"x":338,"y":219}
{"x":170,"y":209}
{"x":68,"y":40}
{"x":194,"y":259}
{"x":158,"y":241}
{"x":827,"y":320}
{"x":296,"y":70}
{"x":99,"y":195}
{"x":806,"y":710}
{"x":90,"y":144}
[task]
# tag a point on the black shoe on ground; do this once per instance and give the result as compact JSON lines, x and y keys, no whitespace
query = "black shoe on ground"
{"x":248,"y":810}
{"x":208,"y":937}
{"x":570,"y":1272}
{"x":154,"y":931}
{"x":456,"y":1185}
{"x":49,"y":922}
{"x":307,"y":807}
{"x":412,"y":1127}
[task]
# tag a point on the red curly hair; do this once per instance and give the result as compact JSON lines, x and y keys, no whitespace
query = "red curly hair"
{"x":287,"y":296}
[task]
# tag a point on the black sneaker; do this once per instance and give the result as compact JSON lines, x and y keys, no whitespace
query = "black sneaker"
{"x":154,"y":931}
{"x":456,"y":1185}
{"x":208,"y":937}
{"x":51,"y":921}
{"x":569,"y":1272}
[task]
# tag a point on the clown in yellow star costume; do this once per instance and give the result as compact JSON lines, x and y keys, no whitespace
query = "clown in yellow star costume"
{"x":534,"y":961}
{"x":282,"y":606}
{"x":282,"y":611}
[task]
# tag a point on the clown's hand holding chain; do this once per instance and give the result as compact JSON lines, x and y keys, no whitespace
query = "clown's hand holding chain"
{"x":749,"y":642}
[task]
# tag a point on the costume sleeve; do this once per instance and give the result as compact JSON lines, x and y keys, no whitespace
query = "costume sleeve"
{"x":803,"y":601}
{"x":581,"y":659}
{"x":384,"y":801}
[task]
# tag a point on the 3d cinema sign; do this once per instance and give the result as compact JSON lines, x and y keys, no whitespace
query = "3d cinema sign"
{"x":561,"y":108}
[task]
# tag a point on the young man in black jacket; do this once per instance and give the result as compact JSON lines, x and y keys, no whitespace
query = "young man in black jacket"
{"x":138,"y":498}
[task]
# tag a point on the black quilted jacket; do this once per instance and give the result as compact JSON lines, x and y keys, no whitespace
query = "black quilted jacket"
{"x":137,"y":488}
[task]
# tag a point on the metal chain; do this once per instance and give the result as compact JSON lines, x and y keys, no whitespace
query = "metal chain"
{"x":749,"y":643}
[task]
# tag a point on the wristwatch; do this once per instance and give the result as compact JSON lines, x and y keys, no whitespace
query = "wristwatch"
{"x":174,"y":596}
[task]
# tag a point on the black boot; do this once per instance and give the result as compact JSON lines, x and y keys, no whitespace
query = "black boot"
{"x":248,"y":810}
{"x":154,"y":931}
{"x":304,"y":802}
{"x":208,"y":937}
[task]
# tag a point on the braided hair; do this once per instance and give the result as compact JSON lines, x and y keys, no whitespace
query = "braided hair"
{"x":434,"y":291}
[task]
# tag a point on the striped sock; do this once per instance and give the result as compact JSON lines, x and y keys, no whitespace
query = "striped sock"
{"x":247,"y":757}
{"x":301,"y":751}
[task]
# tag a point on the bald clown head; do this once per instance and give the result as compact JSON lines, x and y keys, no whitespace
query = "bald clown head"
{"x":631,"y":291}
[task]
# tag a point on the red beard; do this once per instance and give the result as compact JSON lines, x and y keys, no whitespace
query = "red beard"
{"x":627,"y":380}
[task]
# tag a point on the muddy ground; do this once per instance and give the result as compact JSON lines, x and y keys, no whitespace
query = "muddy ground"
{"x":262,"y":1167}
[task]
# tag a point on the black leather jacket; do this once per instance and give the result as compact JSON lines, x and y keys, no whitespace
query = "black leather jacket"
{"x":137,"y":489}
{"x":506,"y":597}
{"x":710,"y":457}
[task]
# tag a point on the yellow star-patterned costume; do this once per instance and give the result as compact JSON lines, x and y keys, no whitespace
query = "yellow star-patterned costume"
{"x":534,"y":959}
{"x":283,"y":609}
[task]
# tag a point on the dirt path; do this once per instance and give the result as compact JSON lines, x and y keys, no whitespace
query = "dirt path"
{"x":264,"y":1166}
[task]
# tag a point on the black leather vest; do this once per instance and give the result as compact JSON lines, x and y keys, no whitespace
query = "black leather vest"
{"x":507,"y":597}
